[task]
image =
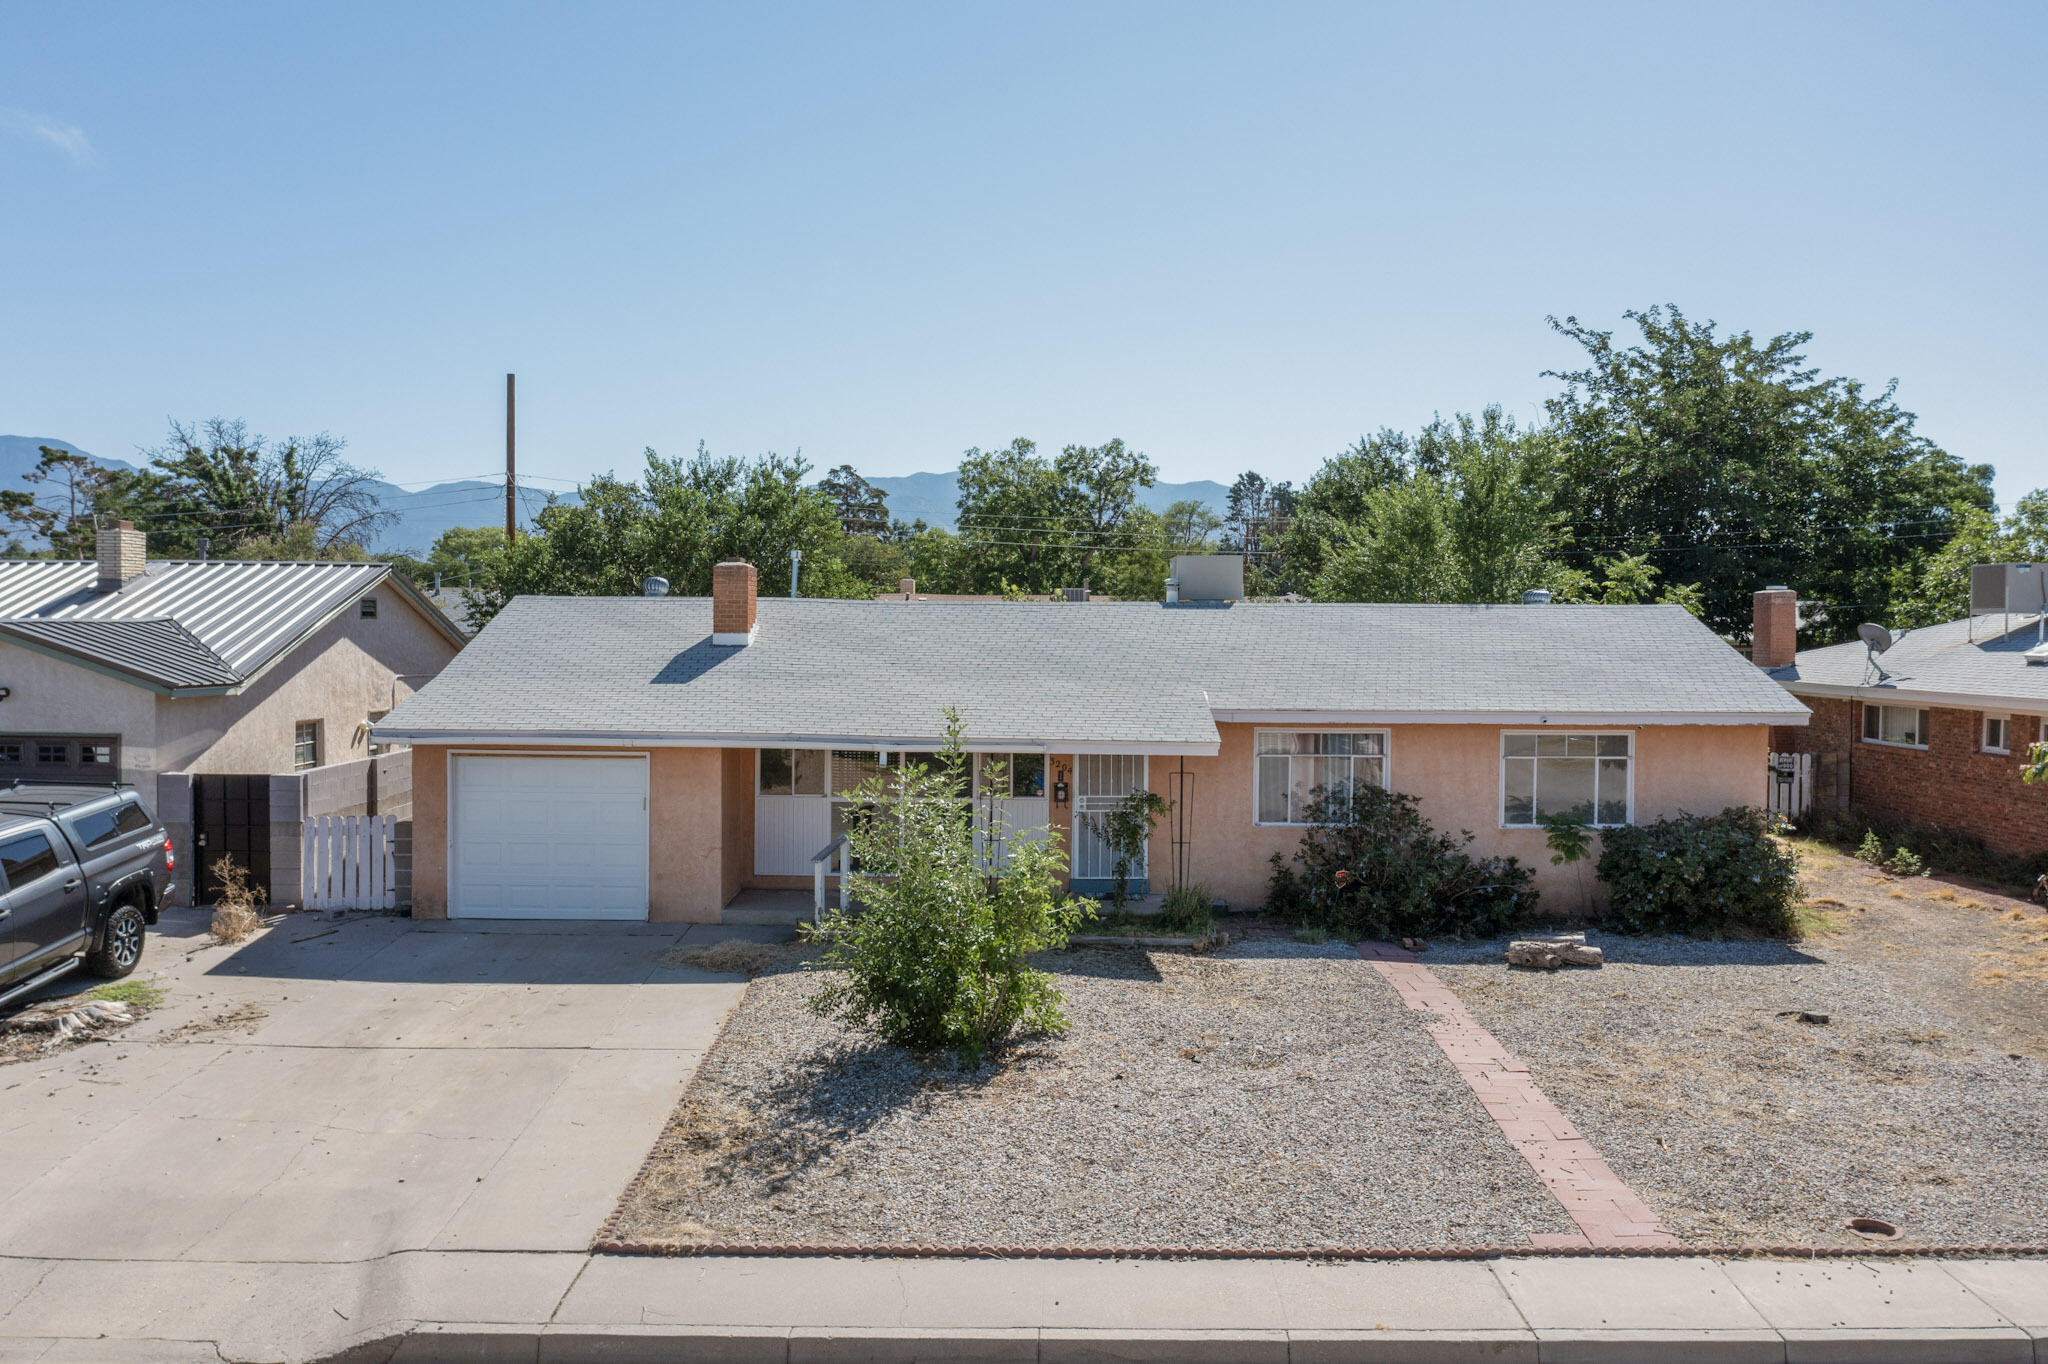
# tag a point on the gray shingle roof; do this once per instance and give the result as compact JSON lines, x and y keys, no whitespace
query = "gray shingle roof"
{"x":1936,"y":663}
{"x":228,"y":618}
{"x":1107,"y":674}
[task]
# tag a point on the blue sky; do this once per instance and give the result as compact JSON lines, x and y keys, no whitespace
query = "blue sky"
{"x":1236,"y":236}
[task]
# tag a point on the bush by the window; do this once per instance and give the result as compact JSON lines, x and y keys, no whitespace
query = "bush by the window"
{"x":1370,"y":866}
{"x":1700,"y":874}
{"x":934,"y":959}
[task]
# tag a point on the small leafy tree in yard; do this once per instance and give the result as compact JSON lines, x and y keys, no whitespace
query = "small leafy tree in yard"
{"x":936,"y":956}
{"x":1570,"y":840}
{"x":1126,"y":829}
{"x":1371,"y":866}
{"x":1701,"y":874}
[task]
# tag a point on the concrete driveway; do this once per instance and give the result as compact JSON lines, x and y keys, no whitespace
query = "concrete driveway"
{"x":336,"y":1112}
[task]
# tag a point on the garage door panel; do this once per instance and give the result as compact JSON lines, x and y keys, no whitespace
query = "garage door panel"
{"x":540,"y":837}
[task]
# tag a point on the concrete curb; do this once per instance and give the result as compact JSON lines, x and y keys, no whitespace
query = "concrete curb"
{"x":478,"y":1343}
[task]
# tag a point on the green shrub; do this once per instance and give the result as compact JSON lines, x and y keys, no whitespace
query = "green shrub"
{"x":1188,"y":909}
{"x":1370,"y":866}
{"x":1700,"y":874}
{"x":935,"y":957}
{"x":1948,"y":851}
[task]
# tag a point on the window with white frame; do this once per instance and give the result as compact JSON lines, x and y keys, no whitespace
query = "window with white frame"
{"x":1290,"y":766}
{"x":1902,"y":725}
{"x":1997,"y":734}
{"x":305,"y":745}
{"x":1575,"y":775}
{"x":1010,"y":776}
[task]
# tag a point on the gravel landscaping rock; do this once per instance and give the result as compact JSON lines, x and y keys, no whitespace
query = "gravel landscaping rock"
{"x":1738,"y":1125}
{"x":1275,"y":1094}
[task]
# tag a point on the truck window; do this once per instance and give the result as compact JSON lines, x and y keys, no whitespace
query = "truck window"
{"x":26,"y":858}
{"x":131,"y":818}
{"x":91,"y":829}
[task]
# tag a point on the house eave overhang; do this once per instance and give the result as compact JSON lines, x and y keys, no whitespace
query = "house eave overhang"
{"x":1922,"y":696}
{"x":465,"y":738}
{"x":1539,"y":719}
{"x":105,"y":668}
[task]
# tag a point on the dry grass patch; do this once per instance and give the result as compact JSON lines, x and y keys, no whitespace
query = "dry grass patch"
{"x":734,"y":957}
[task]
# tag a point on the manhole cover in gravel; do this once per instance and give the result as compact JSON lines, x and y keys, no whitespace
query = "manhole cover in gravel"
{"x":1876,"y":1228}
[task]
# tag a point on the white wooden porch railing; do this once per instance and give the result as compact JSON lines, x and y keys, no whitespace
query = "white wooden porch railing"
{"x":346,"y":862}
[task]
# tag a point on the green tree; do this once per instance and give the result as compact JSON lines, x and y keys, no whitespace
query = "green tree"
{"x":682,"y":517}
{"x":1138,"y":573}
{"x":69,"y":495}
{"x":1470,"y":522}
{"x":1734,"y":464}
{"x":1041,"y":524}
{"x":863,"y":508}
{"x":214,"y":479}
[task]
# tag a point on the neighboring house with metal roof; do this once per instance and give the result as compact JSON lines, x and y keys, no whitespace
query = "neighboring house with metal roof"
{"x":1934,"y":729}
{"x":655,"y":757}
{"x":127,"y":668}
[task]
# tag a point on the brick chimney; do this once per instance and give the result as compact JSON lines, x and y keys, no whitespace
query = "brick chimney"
{"x":123,"y":554}
{"x":733,"y":585}
{"x":1774,"y":634}
{"x":907,"y":586}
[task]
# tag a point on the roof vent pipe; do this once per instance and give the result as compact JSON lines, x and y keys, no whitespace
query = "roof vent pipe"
{"x":652,"y":587}
{"x":1172,"y":591}
{"x":795,"y":557}
{"x":1536,"y":596}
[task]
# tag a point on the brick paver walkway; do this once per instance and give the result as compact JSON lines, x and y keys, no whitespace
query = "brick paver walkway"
{"x":1608,"y":1212}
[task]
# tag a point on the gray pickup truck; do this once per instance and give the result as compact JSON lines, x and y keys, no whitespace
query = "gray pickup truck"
{"x":85,"y":870}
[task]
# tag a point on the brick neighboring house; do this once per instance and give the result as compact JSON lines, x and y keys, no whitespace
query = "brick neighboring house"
{"x":1939,"y":739}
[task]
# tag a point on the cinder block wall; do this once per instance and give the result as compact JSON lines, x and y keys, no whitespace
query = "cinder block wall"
{"x":1952,"y":784}
{"x":380,"y":785}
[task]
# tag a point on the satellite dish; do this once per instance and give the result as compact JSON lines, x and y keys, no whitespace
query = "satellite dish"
{"x":1877,"y":637}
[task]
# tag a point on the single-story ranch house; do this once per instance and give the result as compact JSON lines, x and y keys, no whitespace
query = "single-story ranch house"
{"x":652,"y":757}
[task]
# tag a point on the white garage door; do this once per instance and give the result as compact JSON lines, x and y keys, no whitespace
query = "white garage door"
{"x":548,"y":838}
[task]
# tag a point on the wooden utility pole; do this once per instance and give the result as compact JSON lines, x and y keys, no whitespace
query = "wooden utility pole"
{"x":511,"y":477}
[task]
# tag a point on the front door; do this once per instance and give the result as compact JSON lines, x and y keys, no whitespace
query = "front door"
{"x":1101,"y":781}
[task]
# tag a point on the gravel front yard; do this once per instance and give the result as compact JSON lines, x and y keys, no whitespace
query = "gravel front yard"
{"x":1919,"y":1102}
{"x":1273,"y":1095}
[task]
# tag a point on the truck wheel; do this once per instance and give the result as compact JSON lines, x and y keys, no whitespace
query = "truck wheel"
{"x":120,"y":946}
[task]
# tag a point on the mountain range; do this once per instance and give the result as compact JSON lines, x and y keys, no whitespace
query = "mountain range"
{"x":423,"y":514}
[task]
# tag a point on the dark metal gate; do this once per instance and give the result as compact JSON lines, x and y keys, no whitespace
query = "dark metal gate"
{"x":230,"y":818}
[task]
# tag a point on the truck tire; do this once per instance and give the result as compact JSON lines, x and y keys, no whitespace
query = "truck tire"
{"x":120,"y":944}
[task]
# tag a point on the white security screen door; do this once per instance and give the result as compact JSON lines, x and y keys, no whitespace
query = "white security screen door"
{"x":1101,"y":781}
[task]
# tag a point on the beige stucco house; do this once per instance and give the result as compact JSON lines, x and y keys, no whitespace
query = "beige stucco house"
{"x":655,"y":757}
{"x":134,"y":669}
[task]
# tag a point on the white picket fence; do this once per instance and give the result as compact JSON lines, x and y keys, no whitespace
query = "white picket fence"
{"x":1790,"y":784}
{"x":346,"y":862}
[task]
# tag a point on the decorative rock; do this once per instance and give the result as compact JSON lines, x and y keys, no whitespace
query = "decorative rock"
{"x":1547,"y":954}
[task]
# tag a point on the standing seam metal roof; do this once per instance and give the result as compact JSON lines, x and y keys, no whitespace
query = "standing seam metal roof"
{"x":236,"y":614}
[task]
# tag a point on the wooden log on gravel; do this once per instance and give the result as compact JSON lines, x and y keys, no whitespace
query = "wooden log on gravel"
{"x":1547,"y":954}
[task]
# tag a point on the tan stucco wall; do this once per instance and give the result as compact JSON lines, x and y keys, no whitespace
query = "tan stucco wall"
{"x":687,"y":854}
{"x":1454,"y":770}
{"x":337,"y":677}
{"x":49,"y":696}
